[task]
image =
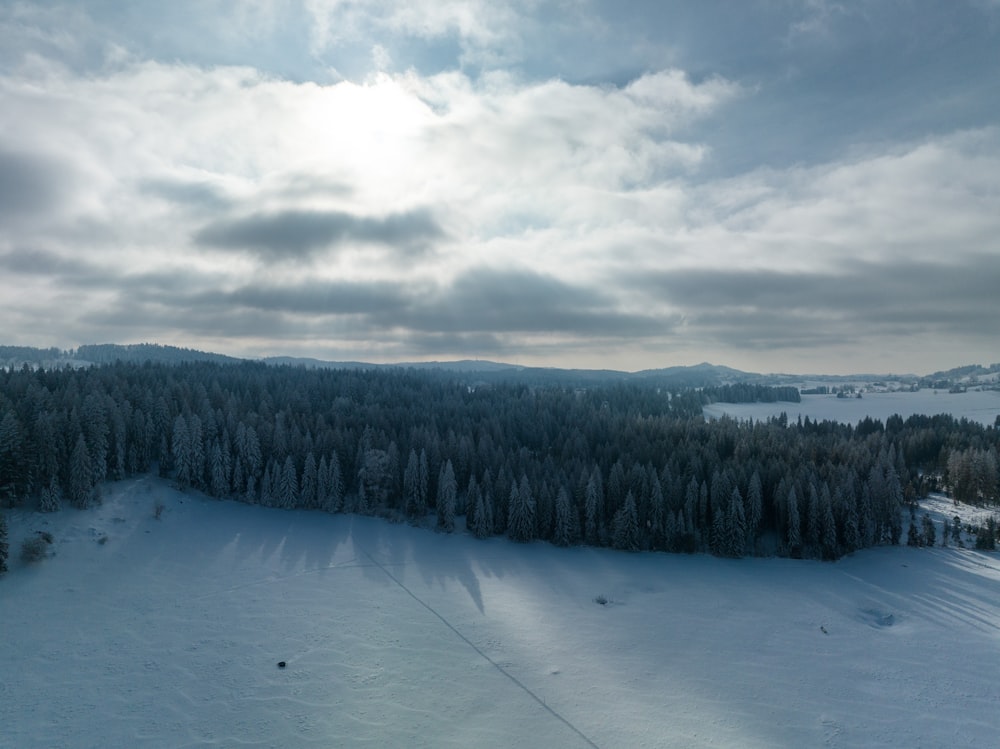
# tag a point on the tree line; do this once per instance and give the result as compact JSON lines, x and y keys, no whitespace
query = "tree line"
{"x":623,"y":465}
{"x":746,"y":392}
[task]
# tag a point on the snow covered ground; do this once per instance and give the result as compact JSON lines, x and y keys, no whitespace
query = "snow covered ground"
{"x":976,"y":405}
{"x":168,"y":633}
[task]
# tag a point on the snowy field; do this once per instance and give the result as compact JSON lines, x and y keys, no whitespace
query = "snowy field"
{"x":976,"y":405}
{"x":168,"y":633}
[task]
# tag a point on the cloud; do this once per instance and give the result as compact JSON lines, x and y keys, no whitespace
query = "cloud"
{"x":39,"y":262}
{"x":382,"y":299}
{"x":479,"y":311}
{"x":858,"y":302}
{"x":575,"y":179}
{"x":487,"y":32}
{"x":291,"y":234}
{"x":513,"y":300}
{"x":198,"y":194}
{"x":31,"y":184}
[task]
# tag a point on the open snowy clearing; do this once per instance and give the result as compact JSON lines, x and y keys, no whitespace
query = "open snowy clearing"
{"x":168,"y":633}
{"x":982,"y":406}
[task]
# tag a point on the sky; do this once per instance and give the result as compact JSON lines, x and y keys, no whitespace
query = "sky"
{"x":773,"y":185}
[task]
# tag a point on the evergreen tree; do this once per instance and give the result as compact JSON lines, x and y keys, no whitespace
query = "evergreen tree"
{"x":626,"y":526}
{"x":374,"y":481}
{"x":182,"y":452}
{"x":220,"y":481}
{"x":323,"y":484}
{"x":288,"y":488}
{"x":81,"y":482}
{"x":335,"y":484}
{"x":309,"y":490}
{"x":755,"y":506}
{"x":717,"y":539}
{"x":239,"y":482}
{"x":472,"y":496}
{"x":852,"y":530}
{"x":828,"y":525}
{"x":471,"y":491}
{"x":412,"y":504}
{"x":11,"y":460}
{"x":593,"y":527}
{"x":4,"y":546}
{"x":794,"y":533}
{"x":657,"y":513}
{"x":51,"y":497}
{"x":736,"y":527}
{"x":447,"y":498}
{"x":670,"y":531}
{"x":615,"y":490}
{"x":866,"y":515}
{"x":562,"y":532}
{"x":913,"y":537}
{"x":986,"y":535}
{"x":483,"y":513}
{"x":502,"y":488}
{"x":814,"y":520}
{"x":423,"y":482}
{"x":266,"y":482}
{"x":930,"y":536}
{"x":95,"y":428}
{"x":196,"y":447}
{"x":393,"y":479}
{"x":248,"y":450}
{"x":894,"y":496}
{"x":521,"y":509}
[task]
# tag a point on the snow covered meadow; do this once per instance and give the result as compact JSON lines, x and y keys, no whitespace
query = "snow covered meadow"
{"x":982,"y":406}
{"x":147,"y":632}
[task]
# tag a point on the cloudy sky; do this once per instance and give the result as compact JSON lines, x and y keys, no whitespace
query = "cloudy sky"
{"x":775,"y":185}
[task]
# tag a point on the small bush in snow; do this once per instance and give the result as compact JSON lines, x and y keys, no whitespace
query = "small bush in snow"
{"x":601,"y":599}
{"x":33,"y":549}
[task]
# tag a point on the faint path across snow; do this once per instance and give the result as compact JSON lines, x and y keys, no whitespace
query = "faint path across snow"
{"x":472,"y":645}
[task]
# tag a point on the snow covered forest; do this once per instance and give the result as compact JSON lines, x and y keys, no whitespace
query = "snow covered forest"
{"x":625,"y":465}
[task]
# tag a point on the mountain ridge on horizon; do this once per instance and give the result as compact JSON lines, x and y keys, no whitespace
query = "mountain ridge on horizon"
{"x":154,"y":352}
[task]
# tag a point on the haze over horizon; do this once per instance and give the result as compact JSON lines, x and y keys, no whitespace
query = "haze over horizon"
{"x":805,"y":187}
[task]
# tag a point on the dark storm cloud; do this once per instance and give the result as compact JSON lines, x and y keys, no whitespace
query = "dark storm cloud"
{"x":37,"y":262}
{"x":188,"y":193}
{"x":760,"y":308}
{"x":482,"y":300}
{"x":30,"y":184}
{"x":133,"y":317}
{"x":75,"y":273}
{"x":474,"y":308}
{"x":293,"y":233}
{"x":382,"y":299}
{"x":473,"y":344}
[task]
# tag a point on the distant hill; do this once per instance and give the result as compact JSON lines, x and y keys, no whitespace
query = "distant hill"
{"x":309,"y":363}
{"x":106,"y":353}
{"x":462,"y":365}
{"x":15,"y":356}
{"x":699,"y":375}
{"x":476,"y":371}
